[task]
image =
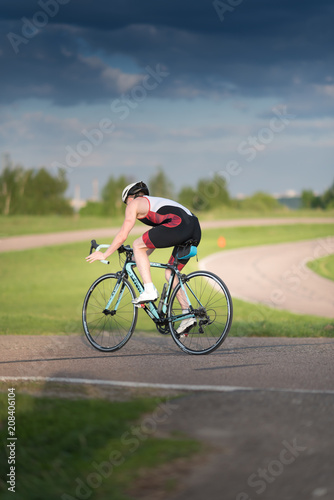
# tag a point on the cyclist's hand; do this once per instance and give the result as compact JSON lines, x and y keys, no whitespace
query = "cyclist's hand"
{"x":95,"y":256}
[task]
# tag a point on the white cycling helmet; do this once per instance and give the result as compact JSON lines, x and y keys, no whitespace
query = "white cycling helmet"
{"x":133,"y":189}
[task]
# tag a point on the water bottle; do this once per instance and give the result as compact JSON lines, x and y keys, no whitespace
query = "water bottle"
{"x":162,"y":298}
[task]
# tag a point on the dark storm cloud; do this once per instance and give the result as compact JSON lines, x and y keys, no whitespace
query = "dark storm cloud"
{"x":277,"y":48}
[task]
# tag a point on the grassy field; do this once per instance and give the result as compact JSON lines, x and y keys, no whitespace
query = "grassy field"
{"x":324,"y":267}
{"x":16,"y":225}
{"x":93,"y":448}
{"x":42,"y":290}
{"x":21,"y":225}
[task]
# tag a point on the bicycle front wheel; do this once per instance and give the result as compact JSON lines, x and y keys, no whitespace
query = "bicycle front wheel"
{"x":108,"y":327}
{"x":211,"y":308}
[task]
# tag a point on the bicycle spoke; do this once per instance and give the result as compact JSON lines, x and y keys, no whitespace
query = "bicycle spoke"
{"x":109,"y":329}
{"x":211,"y":306}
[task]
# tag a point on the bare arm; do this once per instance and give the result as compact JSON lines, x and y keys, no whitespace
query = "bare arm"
{"x":121,"y":236}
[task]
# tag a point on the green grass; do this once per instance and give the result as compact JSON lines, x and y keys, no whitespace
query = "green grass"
{"x":16,"y":225}
{"x":69,"y":449}
{"x":257,"y":320}
{"x":42,"y":290}
{"x":323,"y":266}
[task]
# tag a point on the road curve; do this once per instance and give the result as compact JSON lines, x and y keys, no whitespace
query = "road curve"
{"x":277,"y":275}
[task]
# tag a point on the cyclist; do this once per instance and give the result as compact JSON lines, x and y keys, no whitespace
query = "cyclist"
{"x":172,"y":225}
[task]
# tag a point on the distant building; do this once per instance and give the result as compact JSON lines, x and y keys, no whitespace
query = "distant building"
{"x":77,"y":203}
{"x":95,"y":196}
{"x":290,"y":199}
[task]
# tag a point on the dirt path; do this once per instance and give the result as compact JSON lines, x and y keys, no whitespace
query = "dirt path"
{"x":40,"y":240}
{"x":278,"y":276}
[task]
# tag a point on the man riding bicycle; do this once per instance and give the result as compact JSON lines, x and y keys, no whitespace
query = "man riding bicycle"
{"x":172,"y":225}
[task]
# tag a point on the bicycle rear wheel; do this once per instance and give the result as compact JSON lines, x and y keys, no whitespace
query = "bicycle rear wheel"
{"x":212,"y":309}
{"x":109,"y":329}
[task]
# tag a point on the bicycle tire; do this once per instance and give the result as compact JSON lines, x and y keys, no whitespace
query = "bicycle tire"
{"x":109,"y":330}
{"x":213,"y":309}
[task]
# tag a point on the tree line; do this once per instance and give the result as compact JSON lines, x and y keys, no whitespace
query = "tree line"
{"x":323,"y":201}
{"x":38,"y":192}
{"x":209,"y":194}
{"x":32,"y":191}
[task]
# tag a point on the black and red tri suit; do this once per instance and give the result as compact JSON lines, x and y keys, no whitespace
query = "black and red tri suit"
{"x":172,"y":225}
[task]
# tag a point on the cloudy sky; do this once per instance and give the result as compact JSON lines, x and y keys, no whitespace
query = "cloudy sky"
{"x":244,"y":88}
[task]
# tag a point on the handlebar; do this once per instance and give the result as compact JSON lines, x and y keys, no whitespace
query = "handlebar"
{"x":93,"y":245}
{"x":125,"y":249}
{"x":122,"y":249}
{"x":96,"y":246}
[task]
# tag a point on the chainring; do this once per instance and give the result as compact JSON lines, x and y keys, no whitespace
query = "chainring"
{"x":163,"y":327}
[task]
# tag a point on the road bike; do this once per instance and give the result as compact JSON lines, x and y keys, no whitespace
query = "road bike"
{"x":109,"y":317}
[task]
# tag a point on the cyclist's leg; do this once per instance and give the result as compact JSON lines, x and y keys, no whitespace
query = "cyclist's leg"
{"x":142,"y":252}
{"x":196,"y":236}
{"x":165,"y":236}
{"x":181,"y":296}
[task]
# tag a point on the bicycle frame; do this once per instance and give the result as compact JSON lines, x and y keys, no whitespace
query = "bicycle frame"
{"x":150,"y":308}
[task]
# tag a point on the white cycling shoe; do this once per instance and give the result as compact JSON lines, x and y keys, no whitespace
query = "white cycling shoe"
{"x":185,"y":326}
{"x":146,"y":297}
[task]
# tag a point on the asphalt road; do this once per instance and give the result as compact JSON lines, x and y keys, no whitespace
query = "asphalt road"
{"x":262,"y":408}
{"x":262,"y":363}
